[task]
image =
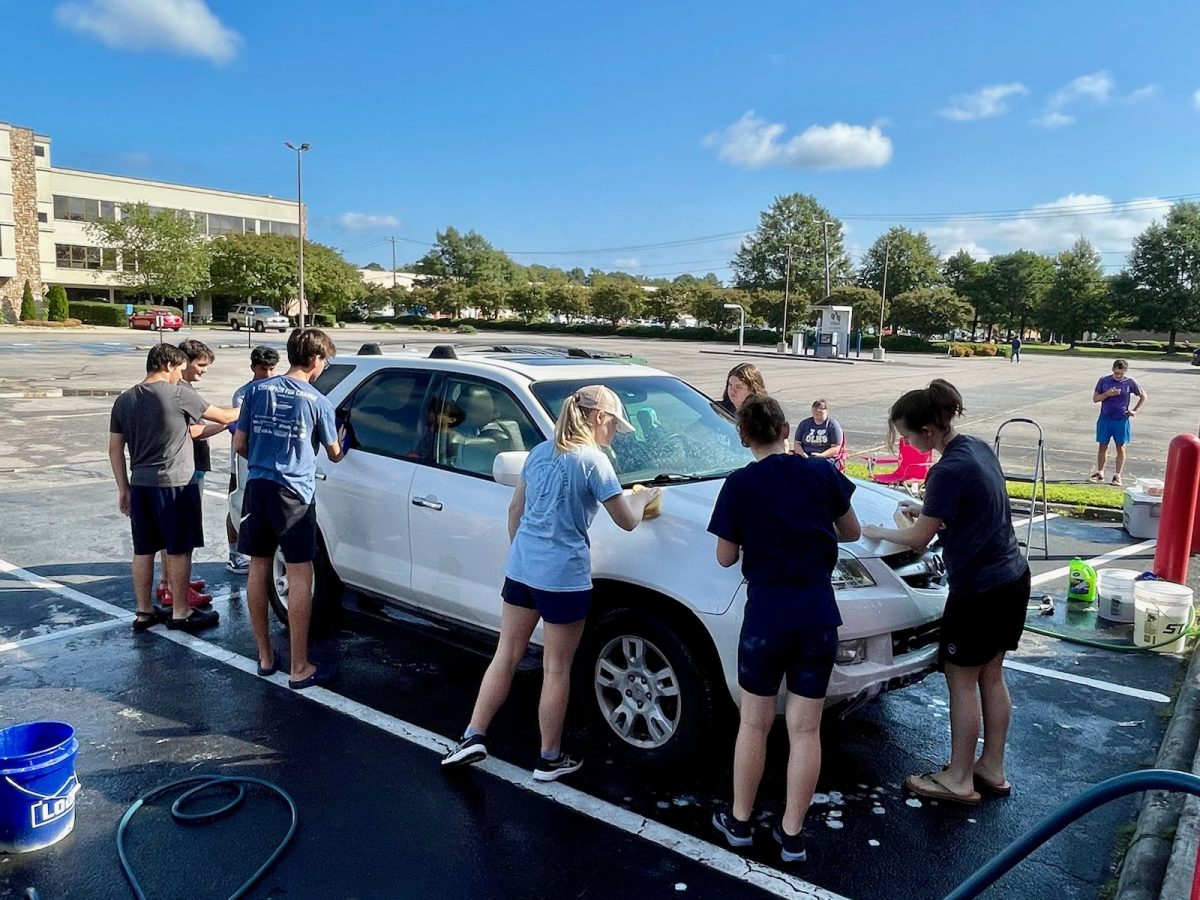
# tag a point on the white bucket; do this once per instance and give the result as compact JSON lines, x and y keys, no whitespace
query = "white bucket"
{"x":1161,"y":609}
{"x":1114,"y":594}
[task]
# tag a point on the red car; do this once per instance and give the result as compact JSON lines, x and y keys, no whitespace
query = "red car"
{"x":146,"y":319}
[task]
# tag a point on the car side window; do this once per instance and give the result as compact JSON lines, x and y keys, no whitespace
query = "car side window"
{"x":472,"y":421}
{"x":385,"y":414}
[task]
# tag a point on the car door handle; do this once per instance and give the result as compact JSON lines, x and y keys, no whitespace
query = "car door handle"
{"x":427,"y":503}
{"x":321,"y":476}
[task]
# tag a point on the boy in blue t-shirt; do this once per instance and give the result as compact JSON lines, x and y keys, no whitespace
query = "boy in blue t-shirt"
{"x":1112,"y":393}
{"x":282,"y":421}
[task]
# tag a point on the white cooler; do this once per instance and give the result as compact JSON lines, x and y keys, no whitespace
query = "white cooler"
{"x":1141,"y":513}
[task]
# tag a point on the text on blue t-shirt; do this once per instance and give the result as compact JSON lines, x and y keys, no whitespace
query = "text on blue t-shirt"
{"x":285,"y":420}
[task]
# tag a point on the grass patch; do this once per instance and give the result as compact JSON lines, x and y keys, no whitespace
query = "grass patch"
{"x":1107,"y":352}
{"x":1077,"y":495}
{"x":44,"y":323}
{"x":1122,"y":839}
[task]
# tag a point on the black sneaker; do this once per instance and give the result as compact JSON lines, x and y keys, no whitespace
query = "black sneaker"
{"x":198,"y":620}
{"x":553,"y":769}
{"x":792,"y":844}
{"x":470,"y":750}
{"x":737,"y":833}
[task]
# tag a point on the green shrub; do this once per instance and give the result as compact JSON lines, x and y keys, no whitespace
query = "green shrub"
{"x":466,"y":329}
{"x":28,"y":307}
{"x":385,"y":326}
{"x":906,"y":343}
{"x":97,"y":312}
{"x":984,"y":349}
{"x":56,"y":304}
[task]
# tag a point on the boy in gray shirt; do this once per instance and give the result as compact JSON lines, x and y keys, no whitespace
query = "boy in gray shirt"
{"x":152,"y":419}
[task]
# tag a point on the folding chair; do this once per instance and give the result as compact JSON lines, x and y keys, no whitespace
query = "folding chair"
{"x":911,"y":467}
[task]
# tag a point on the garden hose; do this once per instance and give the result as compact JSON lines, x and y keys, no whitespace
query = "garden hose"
{"x":1191,"y":630}
{"x":199,"y":785}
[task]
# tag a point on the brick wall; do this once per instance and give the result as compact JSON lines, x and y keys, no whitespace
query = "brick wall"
{"x":25,"y":230}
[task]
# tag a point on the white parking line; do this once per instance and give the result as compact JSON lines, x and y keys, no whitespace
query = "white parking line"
{"x":1095,"y":561}
{"x":712,"y":856}
{"x":1021,"y":523}
{"x":1017,"y":666}
{"x":61,"y":634}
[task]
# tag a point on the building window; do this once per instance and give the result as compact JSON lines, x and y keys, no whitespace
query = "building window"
{"x":218,"y":224}
{"x":43,"y":218}
{"x":78,"y":209}
{"x":108,"y":259}
{"x":73,"y":256}
{"x":290,"y":229}
{"x":39,"y":149}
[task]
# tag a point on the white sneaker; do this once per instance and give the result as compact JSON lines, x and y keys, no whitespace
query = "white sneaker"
{"x":238,"y":564}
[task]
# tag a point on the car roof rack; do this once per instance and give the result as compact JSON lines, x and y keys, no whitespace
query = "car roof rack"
{"x":370,"y":349}
{"x":449,"y":351}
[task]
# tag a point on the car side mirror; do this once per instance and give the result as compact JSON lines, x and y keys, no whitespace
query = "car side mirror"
{"x":506,"y":467}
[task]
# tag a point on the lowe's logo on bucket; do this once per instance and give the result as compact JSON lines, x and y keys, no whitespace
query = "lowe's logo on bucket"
{"x":51,"y":809}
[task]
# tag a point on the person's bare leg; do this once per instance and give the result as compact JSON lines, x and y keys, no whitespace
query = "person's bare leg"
{"x":963,"y":682}
{"x":1101,"y":457}
{"x":804,"y":758}
{"x":516,"y":627}
{"x":561,"y":642}
{"x":1120,"y":461}
{"x":162,"y":565}
{"x":757,"y":715}
{"x":299,"y":576}
{"x":178,"y":573}
{"x":256,"y":600}
{"x":143,"y":581}
{"x":997,"y":713}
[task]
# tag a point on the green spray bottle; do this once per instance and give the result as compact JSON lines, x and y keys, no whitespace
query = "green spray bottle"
{"x":1081,"y":582}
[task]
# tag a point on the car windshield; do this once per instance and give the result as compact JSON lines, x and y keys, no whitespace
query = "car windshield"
{"x":264,"y":311}
{"x":679,"y":434}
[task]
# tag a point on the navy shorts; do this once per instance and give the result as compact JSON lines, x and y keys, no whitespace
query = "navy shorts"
{"x":803,"y":654}
{"x":555,"y":607}
{"x":165,"y":518}
{"x":1117,"y":430}
{"x":276,"y":517}
{"x":977,"y":626}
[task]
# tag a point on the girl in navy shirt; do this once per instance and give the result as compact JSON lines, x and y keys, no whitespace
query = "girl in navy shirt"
{"x":783,"y":515}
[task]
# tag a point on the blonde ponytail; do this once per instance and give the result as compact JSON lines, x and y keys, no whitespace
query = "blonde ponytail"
{"x":572,"y":428}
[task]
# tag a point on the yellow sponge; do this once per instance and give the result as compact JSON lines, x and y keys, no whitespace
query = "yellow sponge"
{"x":654,"y":507}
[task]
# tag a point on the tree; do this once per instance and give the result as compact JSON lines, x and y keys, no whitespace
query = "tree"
{"x":374,"y":267}
{"x":617,"y":300}
{"x":1165,"y":269}
{"x":467,"y":258}
{"x":911,"y":263}
{"x":447,"y":297}
{"x":1078,"y":299}
{"x":1016,"y":283}
{"x":28,"y":307}
{"x":487,"y":298}
{"x":767,"y":306}
{"x":968,"y":277}
{"x":708,"y":305}
{"x":864,"y":302}
{"x":529,"y":301}
{"x":163,"y":254}
{"x":571,"y":300}
{"x":667,"y":305}
{"x":331,"y":284}
{"x":795,"y":219}
{"x":57,"y":308}
{"x":930,"y":311}
{"x":266,"y":268}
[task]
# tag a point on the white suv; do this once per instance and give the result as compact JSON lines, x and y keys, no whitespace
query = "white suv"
{"x":414,"y":517}
{"x":260,"y":318}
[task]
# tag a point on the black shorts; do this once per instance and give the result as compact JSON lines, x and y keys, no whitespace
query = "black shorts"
{"x":165,"y":518}
{"x":804,"y":655}
{"x":975,"y":627}
{"x":276,"y":517}
{"x":556,"y":607}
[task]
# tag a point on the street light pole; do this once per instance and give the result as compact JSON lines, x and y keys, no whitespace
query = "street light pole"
{"x":887,"y":253}
{"x":787,"y":289}
{"x":300,"y":219}
{"x":742,"y":326}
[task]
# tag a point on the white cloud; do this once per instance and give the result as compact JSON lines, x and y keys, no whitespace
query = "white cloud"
{"x":1097,"y":87}
{"x":180,"y":26}
{"x":1053,"y":227}
{"x":627,"y":262}
{"x":985,"y":103}
{"x":754,"y":143}
{"x":1053,"y":120}
{"x":1196,"y":99}
{"x":1142,"y":93}
{"x":354,"y":221}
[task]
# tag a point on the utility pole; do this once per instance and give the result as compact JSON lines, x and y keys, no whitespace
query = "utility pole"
{"x":300,"y":218}
{"x":787,"y":288}
{"x":825,"y":238}
{"x":887,"y":253}
{"x":393,"y":242}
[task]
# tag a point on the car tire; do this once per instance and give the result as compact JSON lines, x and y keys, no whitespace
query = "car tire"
{"x":235,"y":325}
{"x":628,"y":647}
{"x":328,"y":591}
{"x":260,"y":327}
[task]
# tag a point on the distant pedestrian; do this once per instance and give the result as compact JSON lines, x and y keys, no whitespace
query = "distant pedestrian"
{"x":282,"y":422}
{"x":783,"y":515}
{"x":743,"y":380}
{"x":821,"y":436}
{"x":157,"y":492}
{"x":1112,"y":393}
{"x":548,"y":576}
{"x":1015,"y":344}
{"x":263,"y":361}
{"x":966,"y":505}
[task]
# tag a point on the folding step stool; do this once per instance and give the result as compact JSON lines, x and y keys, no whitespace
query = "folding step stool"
{"x":1036,"y":480}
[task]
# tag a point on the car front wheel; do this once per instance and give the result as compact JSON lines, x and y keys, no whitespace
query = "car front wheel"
{"x":235,"y":325}
{"x":259,"y":326}
{"x":646,"y":689}
{"x":327,"y":592}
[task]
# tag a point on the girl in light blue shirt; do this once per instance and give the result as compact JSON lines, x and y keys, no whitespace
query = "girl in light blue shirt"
{"x":548,"y":576}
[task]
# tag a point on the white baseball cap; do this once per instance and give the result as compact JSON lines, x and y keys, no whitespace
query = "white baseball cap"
{"x":597,"y":396}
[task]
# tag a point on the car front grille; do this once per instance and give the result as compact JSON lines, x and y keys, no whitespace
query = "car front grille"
{"x":912,"y":639}
{"x":918,"y":569}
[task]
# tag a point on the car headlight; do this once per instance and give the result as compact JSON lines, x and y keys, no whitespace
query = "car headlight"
{"x":850,"y":573}
{"x":850,"y":652}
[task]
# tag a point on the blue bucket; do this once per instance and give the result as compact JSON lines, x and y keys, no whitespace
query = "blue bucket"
{"x":37,"y":785}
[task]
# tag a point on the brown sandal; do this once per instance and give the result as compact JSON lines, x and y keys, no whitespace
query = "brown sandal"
{"x":939,"y":791}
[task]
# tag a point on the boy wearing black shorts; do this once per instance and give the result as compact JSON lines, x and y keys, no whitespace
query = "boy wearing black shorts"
{"x":157,"y":492}
{"x":282,"y":421}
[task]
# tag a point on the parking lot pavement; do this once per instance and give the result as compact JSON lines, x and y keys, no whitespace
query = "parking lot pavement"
{"x":1082,"y":714}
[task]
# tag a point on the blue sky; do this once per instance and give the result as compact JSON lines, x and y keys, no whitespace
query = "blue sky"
{"x":568,"y":127}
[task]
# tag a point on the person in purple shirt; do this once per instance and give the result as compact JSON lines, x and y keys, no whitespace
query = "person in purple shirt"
{"x":1112,"y":393}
